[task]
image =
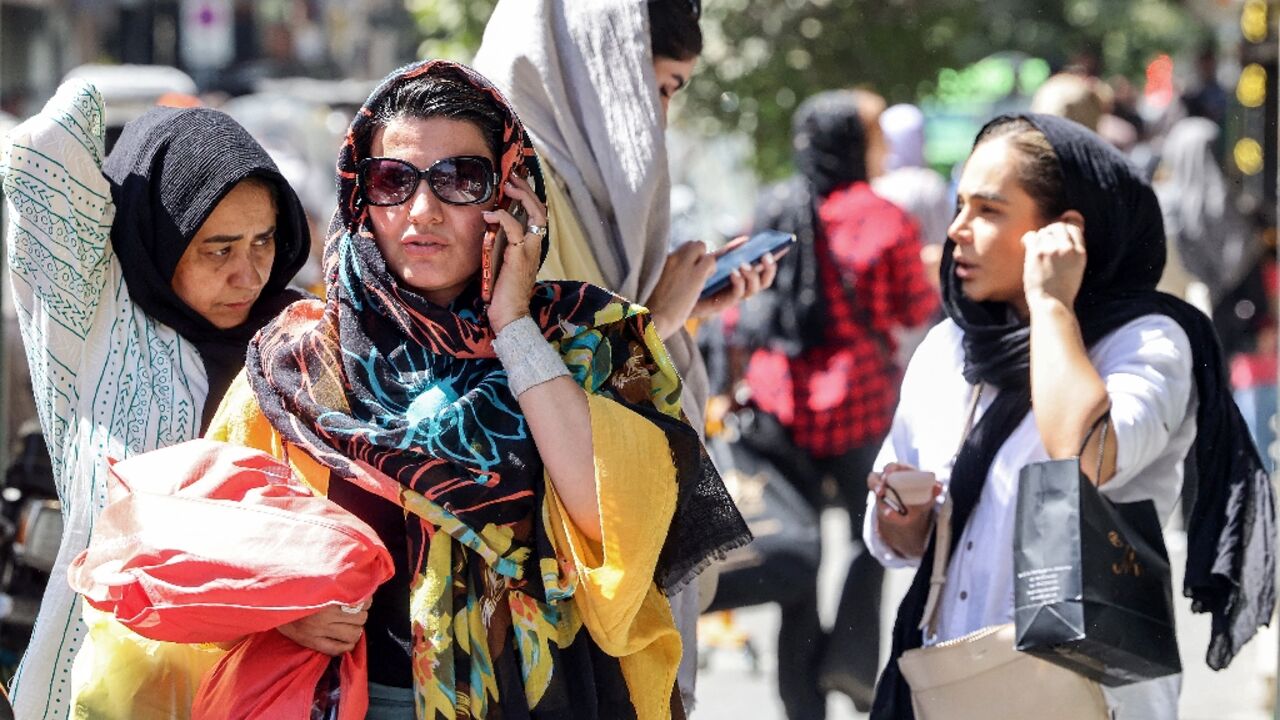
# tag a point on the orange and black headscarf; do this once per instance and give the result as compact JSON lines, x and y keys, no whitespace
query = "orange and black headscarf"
{"x":406,"y":399}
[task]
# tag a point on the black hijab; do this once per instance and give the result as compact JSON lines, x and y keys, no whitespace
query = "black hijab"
{"x":168,"y":171}
{"x":1231,"y":536}
{"x":829,"y":145}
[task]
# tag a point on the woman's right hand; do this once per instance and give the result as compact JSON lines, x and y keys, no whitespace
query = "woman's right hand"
{"x":907,"y":534}
{"x":332,"y":631}
{"x":520,"y":261}
{"x":1055,"y":260}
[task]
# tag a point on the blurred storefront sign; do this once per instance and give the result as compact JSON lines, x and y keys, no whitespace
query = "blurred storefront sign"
{"x":207,"y":34}
{"x":965,"y":98}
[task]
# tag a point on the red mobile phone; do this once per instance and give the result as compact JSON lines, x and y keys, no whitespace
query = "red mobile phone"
{"x":495,"y":242}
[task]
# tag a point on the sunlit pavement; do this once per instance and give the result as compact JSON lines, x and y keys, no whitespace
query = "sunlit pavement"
{"x":730,"y":689}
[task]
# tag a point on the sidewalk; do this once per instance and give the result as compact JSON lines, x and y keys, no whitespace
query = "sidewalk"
{"x":730,"y":689}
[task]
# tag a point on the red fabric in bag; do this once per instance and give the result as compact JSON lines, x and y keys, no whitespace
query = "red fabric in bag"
{"x":209,"y":542}
{"x":239,"y":688}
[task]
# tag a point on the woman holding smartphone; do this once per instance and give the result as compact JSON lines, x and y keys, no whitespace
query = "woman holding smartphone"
{"x":593,"y":82}
{"x":1054,"y":324}
{"x":502,"y":451}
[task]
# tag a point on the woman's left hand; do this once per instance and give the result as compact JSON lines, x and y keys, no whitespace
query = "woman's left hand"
{"x":333,"y":630}
{"x":520,"y":262}
{"x":1055,"y":260}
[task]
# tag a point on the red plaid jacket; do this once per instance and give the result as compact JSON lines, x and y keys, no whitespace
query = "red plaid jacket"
{"x":842,"y":395}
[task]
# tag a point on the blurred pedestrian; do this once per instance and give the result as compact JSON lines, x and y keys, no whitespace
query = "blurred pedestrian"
{"x":593,"y":83}
{"x":908,"y":181}
{"x":139,"y":282}
{"x":1125,"y":103}
{"x":920,"y":190}
{"x":1054,"y":326}
{"x":1207,"y":233}
{"x":1205,"y":97}
{"x":1071,"y":96}
{"x":822,"y":370}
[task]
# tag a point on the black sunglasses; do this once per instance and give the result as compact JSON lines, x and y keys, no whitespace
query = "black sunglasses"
{"x":461,"y":180}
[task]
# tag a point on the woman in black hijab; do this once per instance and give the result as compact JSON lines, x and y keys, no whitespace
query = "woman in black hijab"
{"x":139,"y":282}
{"x":1049,"y":287}
{"x":209,"y":233}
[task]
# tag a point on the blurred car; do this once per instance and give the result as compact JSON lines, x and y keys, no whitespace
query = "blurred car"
{"x":130,"y":90}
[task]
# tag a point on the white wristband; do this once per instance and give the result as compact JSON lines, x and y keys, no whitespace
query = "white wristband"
{"x":527,"y":356}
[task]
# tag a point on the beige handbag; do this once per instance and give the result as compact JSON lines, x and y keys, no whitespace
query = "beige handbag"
{"x":981,"y":676}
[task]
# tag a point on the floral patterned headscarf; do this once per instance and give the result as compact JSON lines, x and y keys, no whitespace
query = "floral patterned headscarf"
{"x":406,"y":399}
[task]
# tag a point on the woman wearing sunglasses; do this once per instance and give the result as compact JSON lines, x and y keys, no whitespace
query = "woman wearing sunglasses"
{"x":525,"y":460}
{"x":133,"y":341}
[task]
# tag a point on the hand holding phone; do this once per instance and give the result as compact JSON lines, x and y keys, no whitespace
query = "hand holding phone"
{"x":748,"y":253}
{"x":494,"y":250}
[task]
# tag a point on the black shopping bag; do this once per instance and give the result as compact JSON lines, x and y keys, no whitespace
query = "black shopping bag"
{"x":1092,"y":590}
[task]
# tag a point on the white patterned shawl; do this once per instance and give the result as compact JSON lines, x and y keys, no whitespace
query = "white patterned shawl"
{"x":108,"y":380}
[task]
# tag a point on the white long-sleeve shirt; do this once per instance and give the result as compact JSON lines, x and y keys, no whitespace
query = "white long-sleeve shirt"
{"x":1146,"y":366}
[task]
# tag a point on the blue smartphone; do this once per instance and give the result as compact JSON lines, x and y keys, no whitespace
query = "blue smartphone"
{"x":748,"y":253}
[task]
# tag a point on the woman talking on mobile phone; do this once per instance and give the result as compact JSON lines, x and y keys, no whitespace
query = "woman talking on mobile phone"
{"x":504,"y":452}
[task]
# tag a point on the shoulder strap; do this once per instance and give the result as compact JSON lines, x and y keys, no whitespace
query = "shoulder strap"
{"x":942,"y":533}
{"x":1102,"y":422}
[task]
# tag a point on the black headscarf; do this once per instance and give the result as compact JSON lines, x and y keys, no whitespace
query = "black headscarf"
{"x":1231,"y":536}
{"x":829,"y":145}
{"x":168,"y":171}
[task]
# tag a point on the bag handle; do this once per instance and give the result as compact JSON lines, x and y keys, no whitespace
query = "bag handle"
{"x":942,"y":532}
{"x":1102,"y":422}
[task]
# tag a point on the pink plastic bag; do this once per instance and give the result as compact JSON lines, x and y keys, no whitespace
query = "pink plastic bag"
{"x":210,"y":542}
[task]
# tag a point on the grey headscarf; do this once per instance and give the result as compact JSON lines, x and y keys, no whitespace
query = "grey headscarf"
{"x":598,"y":126}
{"x":1213,"y":238}
{"x":581,"y":76}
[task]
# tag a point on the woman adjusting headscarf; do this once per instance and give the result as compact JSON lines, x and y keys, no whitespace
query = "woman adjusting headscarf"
{"x":1078,"y":184}
{"x":133,"y":341}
